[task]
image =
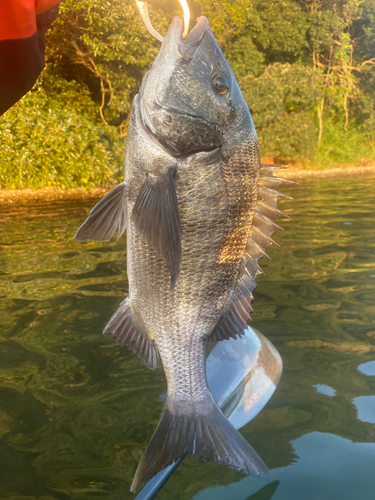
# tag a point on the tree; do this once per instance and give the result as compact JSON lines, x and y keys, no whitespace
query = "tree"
{"x":104,"y":46}
{"x":333,"y":52}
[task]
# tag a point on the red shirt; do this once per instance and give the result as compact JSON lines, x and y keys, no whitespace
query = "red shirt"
{"x":23,"y":24}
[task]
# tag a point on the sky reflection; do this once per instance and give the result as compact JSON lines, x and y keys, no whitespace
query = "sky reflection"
{"x":325,"y":389}
{"x":328,"y":467}
{"x":365,"y":408}
{"x":367,"y":368}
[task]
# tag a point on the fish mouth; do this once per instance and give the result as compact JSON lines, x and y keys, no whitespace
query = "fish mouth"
{"x":187,"y":47}
{"x":196,"y":35}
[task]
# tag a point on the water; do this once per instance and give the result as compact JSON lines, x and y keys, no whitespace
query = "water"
{"x":77,"y":411}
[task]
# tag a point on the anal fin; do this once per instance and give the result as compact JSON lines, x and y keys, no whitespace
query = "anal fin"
{"x":131,"y":334}
{"x":233,"y":320}
{"x":108,"y":215}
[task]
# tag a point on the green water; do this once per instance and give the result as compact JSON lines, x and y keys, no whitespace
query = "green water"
{"x":77,"y":411}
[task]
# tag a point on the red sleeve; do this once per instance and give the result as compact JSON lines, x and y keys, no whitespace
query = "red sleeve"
{"x":23,"y":24}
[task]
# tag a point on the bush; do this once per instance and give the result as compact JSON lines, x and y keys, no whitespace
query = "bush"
{"x":339,"y":147}
{"x":69,"y":130}
{"x":54,"y":139}
{"x":282,"y":102}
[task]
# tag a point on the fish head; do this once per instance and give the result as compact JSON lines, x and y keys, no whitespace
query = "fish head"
{"x":190,"y":98}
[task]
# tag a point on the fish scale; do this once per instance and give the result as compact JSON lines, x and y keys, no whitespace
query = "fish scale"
{"x":194,"y":279}
{"x":200,"y":210}
{"x":241,"y":174}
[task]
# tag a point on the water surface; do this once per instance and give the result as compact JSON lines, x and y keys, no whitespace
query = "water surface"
{"x":77,"y":411}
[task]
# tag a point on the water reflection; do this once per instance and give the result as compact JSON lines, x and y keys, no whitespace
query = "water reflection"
{"x":365,"y":408}
{"x":367,"y":368}
{"x":77,"y":411}
{"x":325,"y":389}
{"x":327,"y":467}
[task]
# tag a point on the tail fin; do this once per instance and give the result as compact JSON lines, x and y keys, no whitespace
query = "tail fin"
{"x":211,"y":437}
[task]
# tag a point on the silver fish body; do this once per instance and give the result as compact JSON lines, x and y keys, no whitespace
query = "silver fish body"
{"x":180,"y":321}
{"x":200,"y":211}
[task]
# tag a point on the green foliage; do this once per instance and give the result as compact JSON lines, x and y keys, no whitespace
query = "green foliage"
{"x":254,"y":33}
{"x":244,"y":57}
{"x":104,"y":45}
{"x":364,"y":30}
{"x":364,"y":33}
{"x":339,"y":147}
{"x":307,"y":70}
{"x":283,"y":31}
{"x":54,"y":139}
{"x":290,"y":139}
{"x":282,"y":101}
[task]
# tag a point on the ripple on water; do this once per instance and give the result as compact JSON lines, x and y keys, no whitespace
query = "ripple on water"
{"x":77,"y":411}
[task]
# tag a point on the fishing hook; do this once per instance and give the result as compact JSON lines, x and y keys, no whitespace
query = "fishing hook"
{"x":145,"y":16}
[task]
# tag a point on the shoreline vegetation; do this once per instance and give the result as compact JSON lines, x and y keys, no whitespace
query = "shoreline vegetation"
{"x":306,"y":69}
{"x":24,"y":196}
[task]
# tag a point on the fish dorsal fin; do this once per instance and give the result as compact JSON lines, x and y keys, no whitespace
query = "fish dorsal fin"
{"x":130,"y":333}
{"x":108,"y":215}
{"x":156,"y":216}
{"x":233,"y":320}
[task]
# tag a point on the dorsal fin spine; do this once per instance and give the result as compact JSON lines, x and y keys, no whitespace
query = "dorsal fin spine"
{"x":241,"y":311}
{"x":277,"y":213}
{"x":267,"y":220}
{"x":246,"y":272}
{"x":260,"y":249}
{"x":255,"y":262}
{"x":272,"y":192}
{"x":249,"y":289}
{"x":279,"y":180}
{"x":270,"y":168}
{"x":245,"y":296}
{"x":268,"y":238}
{"x":248,"y":296}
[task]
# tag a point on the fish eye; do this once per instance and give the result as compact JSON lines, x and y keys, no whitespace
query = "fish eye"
{"x":220,"y":82}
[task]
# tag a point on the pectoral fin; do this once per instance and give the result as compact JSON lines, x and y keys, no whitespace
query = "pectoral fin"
{"x":108,"y":215}
{"x":156,"y":216}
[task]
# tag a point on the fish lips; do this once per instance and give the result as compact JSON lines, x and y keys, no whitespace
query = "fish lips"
{"x":173,"y":39}
{"x":187,"y":48}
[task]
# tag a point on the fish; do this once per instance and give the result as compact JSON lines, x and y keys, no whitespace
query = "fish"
{"x":199,"y":209}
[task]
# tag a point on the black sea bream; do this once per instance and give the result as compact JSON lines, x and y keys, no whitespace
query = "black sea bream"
{"x":199,"y":208}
